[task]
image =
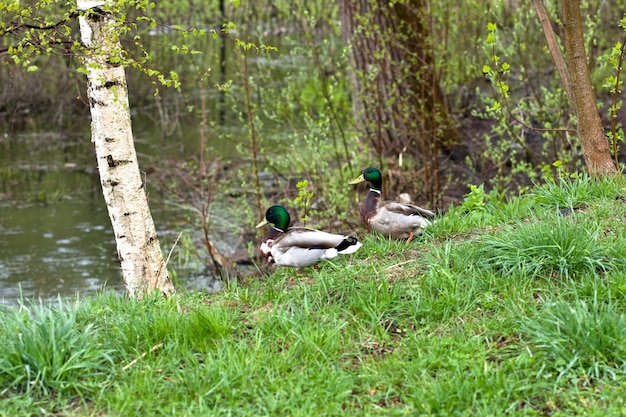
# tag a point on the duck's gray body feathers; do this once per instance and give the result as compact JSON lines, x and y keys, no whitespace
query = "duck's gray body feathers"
{"x":393,"y":219}
{"x":300,"y":247}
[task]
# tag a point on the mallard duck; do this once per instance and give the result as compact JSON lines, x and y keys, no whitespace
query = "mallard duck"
{"x":390,"y":218}
{"x":300,"y":246}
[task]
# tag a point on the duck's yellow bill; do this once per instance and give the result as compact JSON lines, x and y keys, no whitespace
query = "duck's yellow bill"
{"x":357,"y":180}
{"x":263,"y":223}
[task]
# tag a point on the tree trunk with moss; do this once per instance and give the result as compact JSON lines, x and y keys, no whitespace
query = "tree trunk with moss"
{"x":397,"y":100}
{"x":143,"y":267}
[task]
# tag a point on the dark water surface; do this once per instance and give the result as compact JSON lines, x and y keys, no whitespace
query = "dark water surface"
{"x":55,"y":235}
{"x":62,"y":248}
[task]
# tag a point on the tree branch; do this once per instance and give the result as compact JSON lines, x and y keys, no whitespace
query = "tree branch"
{"x":19,"y":26}
{"x":555,"y":51}
{"x":4,"y":50}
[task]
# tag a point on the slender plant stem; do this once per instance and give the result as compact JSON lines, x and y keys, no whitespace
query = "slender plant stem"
{"x":614,"y":97}
{"x":555,"y":51}
{"x":254,"y":147}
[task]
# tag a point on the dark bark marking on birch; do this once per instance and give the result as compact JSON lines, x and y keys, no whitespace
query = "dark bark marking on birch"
{"x":113,"y":163}
{"x":110,"y":84}
{"x":94,"y":103}
{"x":96,"y":14}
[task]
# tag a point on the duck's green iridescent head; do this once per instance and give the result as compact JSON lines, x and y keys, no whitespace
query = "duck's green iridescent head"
{"x":277,"y":216}
{"x":371,"y":175}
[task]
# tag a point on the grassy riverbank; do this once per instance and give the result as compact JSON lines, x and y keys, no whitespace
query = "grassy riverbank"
{"x":499,"y":309}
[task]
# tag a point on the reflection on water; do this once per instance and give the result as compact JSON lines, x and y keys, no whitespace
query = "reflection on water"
{"x":63,"y":248}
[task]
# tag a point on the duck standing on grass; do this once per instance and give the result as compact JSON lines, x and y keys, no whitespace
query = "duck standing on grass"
{"x":390,"y":218}
{"x":300,"y":246}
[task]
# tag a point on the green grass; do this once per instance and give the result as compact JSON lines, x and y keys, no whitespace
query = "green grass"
{"x":503,"y":309}
{"x":45,"y":352}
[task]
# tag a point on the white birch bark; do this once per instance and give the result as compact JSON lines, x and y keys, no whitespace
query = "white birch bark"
{"x":143,"y":267}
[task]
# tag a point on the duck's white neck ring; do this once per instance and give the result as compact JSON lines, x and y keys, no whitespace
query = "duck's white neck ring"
{"x":276,"y":228}
{"x":376,"y":191}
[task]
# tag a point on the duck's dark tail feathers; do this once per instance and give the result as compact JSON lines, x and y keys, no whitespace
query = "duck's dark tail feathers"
{"x":349,"y":245}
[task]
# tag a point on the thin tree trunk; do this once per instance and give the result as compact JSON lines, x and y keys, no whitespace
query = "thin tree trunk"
{"x":555,"y":50}
{"x":595,"y":146}
{"x":143,"y":267}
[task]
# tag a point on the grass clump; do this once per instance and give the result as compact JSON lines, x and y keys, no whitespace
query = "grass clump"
{"x":559,"y":247}
{"x":579,"y":338}
{"x":45,"y":352}
{"x":576,"y":191}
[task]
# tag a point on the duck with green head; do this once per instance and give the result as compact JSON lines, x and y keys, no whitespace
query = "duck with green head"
{"x":390,"y":218}
{"x":300,"y":246}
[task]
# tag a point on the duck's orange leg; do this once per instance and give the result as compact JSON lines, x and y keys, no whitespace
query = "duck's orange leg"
{"x":410,"y":237}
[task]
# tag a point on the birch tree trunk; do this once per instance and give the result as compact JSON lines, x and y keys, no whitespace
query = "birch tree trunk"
{"x":143,"y":267}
